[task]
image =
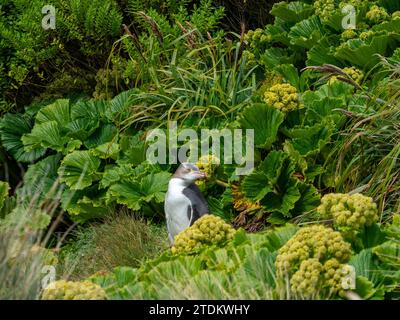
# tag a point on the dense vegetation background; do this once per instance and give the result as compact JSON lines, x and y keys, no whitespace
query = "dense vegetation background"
{"x":77,"y":101}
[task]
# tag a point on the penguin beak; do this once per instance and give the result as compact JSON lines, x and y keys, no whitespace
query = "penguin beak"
{"x":201,"y":175}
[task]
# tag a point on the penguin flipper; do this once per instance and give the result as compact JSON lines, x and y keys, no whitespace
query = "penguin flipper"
{"x":199,"y":206}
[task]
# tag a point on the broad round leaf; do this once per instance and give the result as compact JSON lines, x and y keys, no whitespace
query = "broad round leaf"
{"x":79,"y":169}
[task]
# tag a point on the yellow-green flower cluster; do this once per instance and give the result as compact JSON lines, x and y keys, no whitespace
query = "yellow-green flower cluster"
{"x":257,"y":37}
{"x":349,"y":212}
{"x":313,"y":260}
{"x":369,"y":34}
{"x":349,"y":34}
{"x":307,"y":278}
{"x":250,"y":58}
{"x":356,"y":74}
{"x":377,"y":14}
{"x":207,"y":230}
{"x":338,"y":276}
{"x":324,"y":8}
{"x":396,"y":15}
{"x":208,"y":164}
{"x":316,"y":241}
{"x":354,"y":3}
{"x":71,"y":290}
{"x":282,"y":96}
{"x":271,"y":78}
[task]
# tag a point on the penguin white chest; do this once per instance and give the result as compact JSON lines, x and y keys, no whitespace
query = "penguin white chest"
{"x":176,"y":208}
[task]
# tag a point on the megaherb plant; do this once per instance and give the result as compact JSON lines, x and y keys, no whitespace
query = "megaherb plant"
{"x":305,"y":115}
{"x":85,"y":151}
{"x":289,"y":262}
{"x":312,"y":33}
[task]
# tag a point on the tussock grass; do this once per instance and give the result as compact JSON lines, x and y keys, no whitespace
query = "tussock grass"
{"x":368,"y":155}
{"x":122,"y":240}
{"x":25,"y":263}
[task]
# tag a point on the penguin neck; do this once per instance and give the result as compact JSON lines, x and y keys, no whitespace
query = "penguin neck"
{"x":179,"y":183}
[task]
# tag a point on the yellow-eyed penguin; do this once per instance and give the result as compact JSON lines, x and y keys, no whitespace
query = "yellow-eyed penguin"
{"x":184,"y":203}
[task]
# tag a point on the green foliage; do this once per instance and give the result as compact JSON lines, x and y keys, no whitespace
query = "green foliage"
{"x":78,"y":169}
{"x":83,"y":33}
{"x":277,"y":190}
{"x":136,"y":192}
{"x":325,"y":120}
{"x":312,"y":36}
{"x":265,"y":132}
{"x":93,"y":167}
{"x":13,"y":127}
{"x":4,"y":188}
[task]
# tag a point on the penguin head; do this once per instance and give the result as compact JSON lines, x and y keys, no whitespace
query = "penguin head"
{"x":189,"y":173}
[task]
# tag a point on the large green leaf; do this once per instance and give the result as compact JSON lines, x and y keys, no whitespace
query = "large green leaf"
{"x":307,"y":33}
{"x":371,"y":236}
{"x":309,"y":199}
{"x":120,"y":105}
{"x":133,"y":149}
{"x":12,"y":128}
{"x":134,"y":193}
{"x":275,"y":56}
{"x":255,"y":185}
{"x":265,"y":122}
{"x":26,"y":219}
{"x":365,"y":266}
{"x":81,"y":128}
{"x":40,"y":180}
{"x":282,"y":202}
{"x":89,"y":109}
{"x":389,"y":253}
{"x":113,"y":174}
{"x":83,"y":205}
{"x":59,"y":111}
{"x":86,"y":117}
{"x":365,"y":288}
{"x":103,"y":134}
{"x":364,"y":54}
{"x":48,"y":135}
{"x":321,"y":108}
{"x":263,"y":179}
{"x":310,"y":140}
{"x":273,"y":185}
{"x":293,"y":11}
{"x":290,"y":73}
{"x":323,"y":53}
{"x":106,"y":150}
{"x":272,"y":165}
{"x":79,"y":169}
